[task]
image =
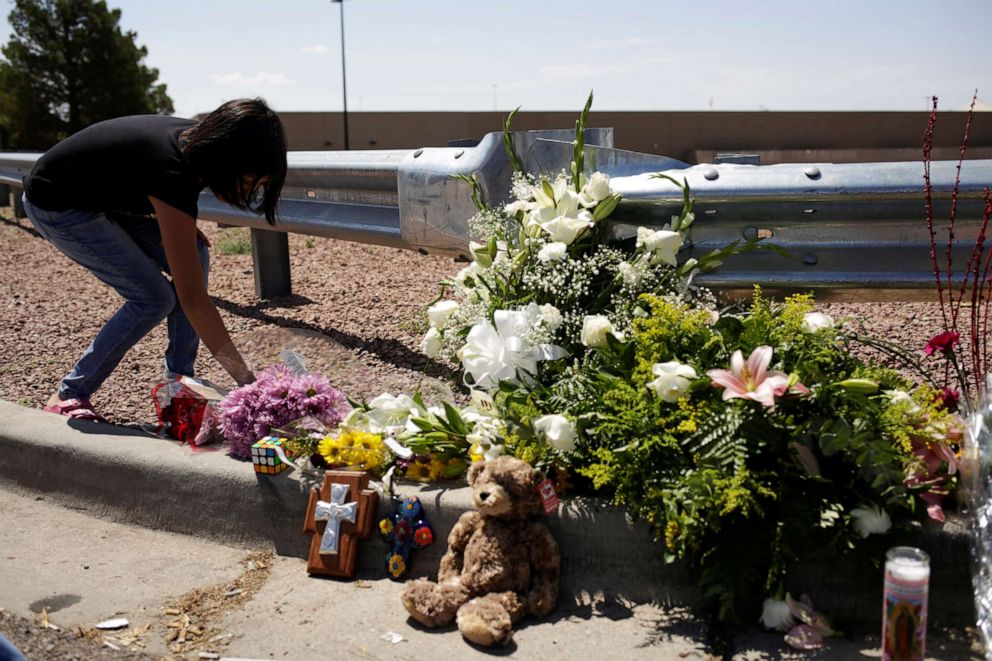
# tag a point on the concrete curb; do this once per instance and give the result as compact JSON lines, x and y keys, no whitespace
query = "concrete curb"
{"x":126,"y":476}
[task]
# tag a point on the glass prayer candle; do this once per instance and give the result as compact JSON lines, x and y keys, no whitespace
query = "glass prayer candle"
{"x":904,"y":604}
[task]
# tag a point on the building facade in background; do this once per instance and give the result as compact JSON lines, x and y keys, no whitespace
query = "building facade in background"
{"x":694,"y":137}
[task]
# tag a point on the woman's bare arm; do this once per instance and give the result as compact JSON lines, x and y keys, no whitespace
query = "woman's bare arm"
{"x":179,"y":240}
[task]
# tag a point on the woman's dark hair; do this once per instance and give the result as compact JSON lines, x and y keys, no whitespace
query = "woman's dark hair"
{"x":242,"y":138}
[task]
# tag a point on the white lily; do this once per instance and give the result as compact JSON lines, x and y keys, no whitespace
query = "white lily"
{"x":660,"y":245}
{"x":557,"y":430}
{"x":566,"y":229}
{"x":388,"y":413}
{"x":595,"y":190}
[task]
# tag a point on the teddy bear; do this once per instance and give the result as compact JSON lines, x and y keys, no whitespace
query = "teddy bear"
{"x":501,"y":563}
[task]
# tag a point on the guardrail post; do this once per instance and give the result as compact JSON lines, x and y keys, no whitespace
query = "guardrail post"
{"x":4,"y":195}
{"x":270,"y":254}
{"x":18,"y":204}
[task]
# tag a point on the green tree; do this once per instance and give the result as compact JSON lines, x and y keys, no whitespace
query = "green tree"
{"x":67,"y":65}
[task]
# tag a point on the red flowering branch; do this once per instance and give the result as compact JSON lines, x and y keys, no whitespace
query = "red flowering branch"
{"x":977,"y":276}
{"x":928,"y":196}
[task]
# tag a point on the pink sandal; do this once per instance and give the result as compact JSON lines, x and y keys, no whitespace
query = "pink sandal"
{"x":77,"y":409}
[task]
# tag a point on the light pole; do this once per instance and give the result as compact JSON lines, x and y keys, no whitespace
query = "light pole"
{"x":344,"y":80}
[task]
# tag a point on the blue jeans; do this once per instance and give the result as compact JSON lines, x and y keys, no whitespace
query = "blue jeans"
{"x":8,"y":652}
{"x":125,"y":253}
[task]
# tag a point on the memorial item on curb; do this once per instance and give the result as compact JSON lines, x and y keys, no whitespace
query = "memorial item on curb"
{"x":186,"y":409}
{"x":904,"y":604}
{"x":404,"y":530}
{"x":268,"y":456}
{"x":501,"y":563}
{"x":278,"y":397}
{"x":339,"y":514}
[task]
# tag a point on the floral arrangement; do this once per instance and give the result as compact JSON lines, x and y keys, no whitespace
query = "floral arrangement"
{"x":278,"y":397}
{"x":749,"y":438}
{"x":545,"y":283}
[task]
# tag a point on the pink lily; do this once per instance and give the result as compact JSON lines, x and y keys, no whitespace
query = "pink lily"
{"x":752,"y":380}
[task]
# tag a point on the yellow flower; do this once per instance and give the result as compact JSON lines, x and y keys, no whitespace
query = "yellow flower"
{"x":671,"y":534}
{"x":436,"y":468}
{"x":386,"y":526}
{"x":396,"y":565}
{"x":419,"y":471}
{"x":345,"y":438}
{"x":328,"y":448}
{"x":476,"y":452}
{"x":363,"y":440}
{"x":364,"y":450}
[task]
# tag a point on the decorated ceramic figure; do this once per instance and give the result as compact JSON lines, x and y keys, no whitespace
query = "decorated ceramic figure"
{"x":404,"y":530}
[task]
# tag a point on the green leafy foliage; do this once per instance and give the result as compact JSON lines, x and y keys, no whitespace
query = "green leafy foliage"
{"x":739,"y":489}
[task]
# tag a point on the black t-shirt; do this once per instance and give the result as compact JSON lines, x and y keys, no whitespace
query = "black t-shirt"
{"x":114,"y":166}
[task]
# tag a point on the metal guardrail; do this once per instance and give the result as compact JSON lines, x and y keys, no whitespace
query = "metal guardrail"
{"x":857,"y":231}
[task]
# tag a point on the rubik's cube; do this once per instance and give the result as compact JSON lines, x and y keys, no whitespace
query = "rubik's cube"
{"x":268,"y":455}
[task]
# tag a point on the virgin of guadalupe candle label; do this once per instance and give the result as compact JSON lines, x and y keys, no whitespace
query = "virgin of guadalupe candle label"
{"x":338,"y":514}
{"x":904,"y":610}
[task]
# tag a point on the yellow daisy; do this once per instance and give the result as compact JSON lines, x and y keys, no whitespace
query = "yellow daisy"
{"x":330,"y":451}
{"x":419,"y":471}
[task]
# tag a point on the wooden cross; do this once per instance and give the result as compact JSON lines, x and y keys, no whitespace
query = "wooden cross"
{"x":335,"y":524}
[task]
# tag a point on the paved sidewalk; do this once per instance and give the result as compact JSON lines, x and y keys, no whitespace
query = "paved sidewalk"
{"x":85,"y":569}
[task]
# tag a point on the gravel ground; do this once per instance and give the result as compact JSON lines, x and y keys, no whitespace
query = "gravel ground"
{"x":356,"y":313}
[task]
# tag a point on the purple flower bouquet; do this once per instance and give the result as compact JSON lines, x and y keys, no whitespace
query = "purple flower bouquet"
{"x":277,"y":398}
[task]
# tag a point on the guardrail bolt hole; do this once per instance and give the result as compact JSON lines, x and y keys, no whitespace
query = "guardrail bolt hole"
{"x":812,"y":172}
{"x":417,"y":153}
{"x":809,"y":259}
{"x":711,"y":174}
{"x":460,"y":153}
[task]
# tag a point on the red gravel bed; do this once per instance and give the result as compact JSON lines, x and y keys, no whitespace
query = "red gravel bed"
{"x":356,"y":313}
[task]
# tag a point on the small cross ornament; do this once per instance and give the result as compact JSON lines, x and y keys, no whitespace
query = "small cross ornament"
{"x":338,"y":515}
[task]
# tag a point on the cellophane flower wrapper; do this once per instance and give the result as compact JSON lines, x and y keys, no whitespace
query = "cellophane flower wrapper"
{"x":187,"y":410}
{"x":278,"y":396}
{"x":977,"y":488}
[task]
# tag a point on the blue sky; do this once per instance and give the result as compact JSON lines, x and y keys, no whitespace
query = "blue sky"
{"x":547,"y":54}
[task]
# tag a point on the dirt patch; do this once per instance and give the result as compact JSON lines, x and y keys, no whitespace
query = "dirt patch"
{"x":189,"y":620}
{"x":39,"y":639}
